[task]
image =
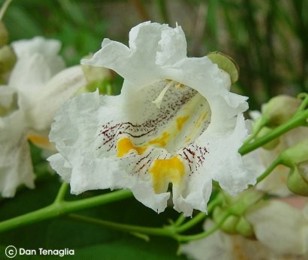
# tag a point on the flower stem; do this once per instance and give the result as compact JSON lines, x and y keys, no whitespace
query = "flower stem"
{"x":4,"y":8}
{"x":125,"y":227}
{"x":59,"y":207}
{"x":183,"y":238}
{"x":61,"y":193}
{"x":180,"y":220}
{"x":200,"y":216}
{"x":274,"y":164}
{"x":298,"y":120}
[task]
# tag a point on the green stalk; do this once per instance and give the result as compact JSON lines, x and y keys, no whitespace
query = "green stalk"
{"x":274,"y":164}
{"x":4,"y":8}
{"x":200,"y":216}
{"x":61,"y":193}
{"x":184,"y":238}
{"x":59,"y":208}
{"x":294,"y":122}
{"x":125,"y":227}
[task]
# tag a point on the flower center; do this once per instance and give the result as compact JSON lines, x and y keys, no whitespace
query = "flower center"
{"x":160,"y":97}
{"x":179,"y":116}
{"x":160,"y":138}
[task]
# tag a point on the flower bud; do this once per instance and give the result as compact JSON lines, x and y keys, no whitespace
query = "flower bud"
{"x":3,"y":34}
{"x":229,"y":226}
{"x":225,"y":63}
{"x":235,"y":223}
{"x":295,"y":154}
{"x":244,"y":228}
{"x":280,"y":109}
{"x":7,"y":62}
{"x":296,"y":183}
{"x":245,"y":200}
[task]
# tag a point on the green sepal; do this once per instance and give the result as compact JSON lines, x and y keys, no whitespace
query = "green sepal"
{"x":225,"y":63}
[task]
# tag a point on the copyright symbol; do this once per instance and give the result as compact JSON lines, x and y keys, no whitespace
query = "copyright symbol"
{"x":10,"y":251}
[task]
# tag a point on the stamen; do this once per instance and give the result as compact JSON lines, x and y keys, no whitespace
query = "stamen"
{"x":160,"y":97}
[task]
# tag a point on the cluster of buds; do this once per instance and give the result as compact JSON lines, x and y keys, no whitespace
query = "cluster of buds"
{"x":7,"y":55}
{"x":236,"y":208}
{"x":291,"y":148}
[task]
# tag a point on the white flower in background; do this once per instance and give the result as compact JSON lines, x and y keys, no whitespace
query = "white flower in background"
{"x":281,"y":233}
{"x":275,"y":183}
{"x":37,"y":87}
{"x":175,"y":122}
{"x":262,"y":158}
{"x":282,"y":227}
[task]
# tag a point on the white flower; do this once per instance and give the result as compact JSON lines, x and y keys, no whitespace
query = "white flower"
{"x":281,"y":233}
{"x":174,"y":122}
{"x":223,"y":246}
{"x":281,"y":227}
{"x":37,"y":87}
{"x":262,"y":158}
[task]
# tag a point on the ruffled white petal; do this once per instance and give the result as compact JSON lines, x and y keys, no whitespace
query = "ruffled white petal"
{"x":35,"y":91}
{"x":87,"y":166}
{"x":53,"y":94}
{"x":280,"y":227}
{"x":174,"y":122}
{"x":37,"y":62}
{"x":150,"y":42}
{"x":15,"y":160}
{"x":48,"y":48}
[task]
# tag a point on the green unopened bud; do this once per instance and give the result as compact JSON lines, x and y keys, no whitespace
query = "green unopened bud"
{"x":229,"y":224}
{"x":280,"y":109}
{"x":296,"y":183}
{"x":295,"y":154}
{"x":4,"y":36}
{"x":244,"y":228}
{"x":7,"y":61}
{"x":218,"y":213}
{"x":245,"y":200}
{"x":225,"y":63}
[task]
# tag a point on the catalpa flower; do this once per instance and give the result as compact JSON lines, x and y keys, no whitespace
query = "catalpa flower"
{"x":37,"y":87}
{"x":281,"y":232}
{"x":174,"y":124}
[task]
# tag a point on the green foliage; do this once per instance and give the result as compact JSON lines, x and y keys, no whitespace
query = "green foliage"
{"x":268,"y":40}
{"x":88,"y":240}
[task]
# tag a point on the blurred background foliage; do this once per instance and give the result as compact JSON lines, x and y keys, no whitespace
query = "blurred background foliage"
{"x":268,"y":40}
